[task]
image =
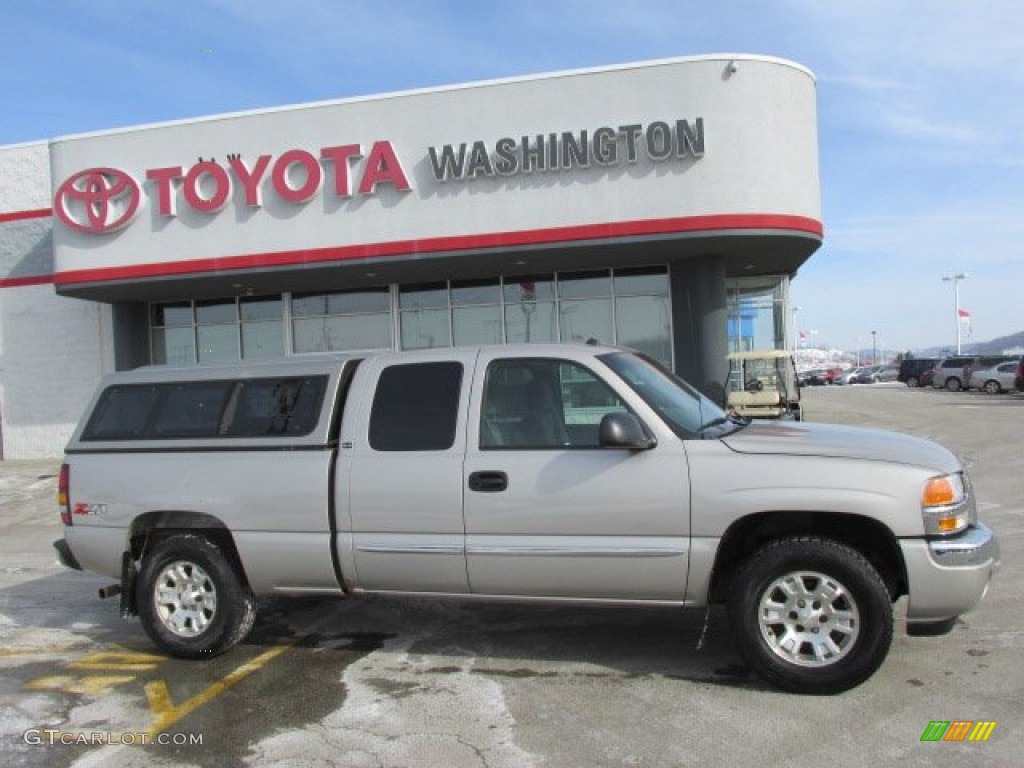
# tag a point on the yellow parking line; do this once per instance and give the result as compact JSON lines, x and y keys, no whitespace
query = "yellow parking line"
{"x":159,"y":697}
{"x":125,"y":661}
{"x":8,"y":652}
{"x":94,"y":685}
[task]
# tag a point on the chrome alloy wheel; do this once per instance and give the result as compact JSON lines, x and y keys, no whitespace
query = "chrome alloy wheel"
{"x":185,"y":598}
{"x":808,"y":619}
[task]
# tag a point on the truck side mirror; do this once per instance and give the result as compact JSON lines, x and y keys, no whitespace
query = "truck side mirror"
{"x":624,"y":430}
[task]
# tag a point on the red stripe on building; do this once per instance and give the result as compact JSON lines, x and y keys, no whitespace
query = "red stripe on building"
{"x":41,"y":213}
{"x":719,"y":224}
{"x":14,"y":282}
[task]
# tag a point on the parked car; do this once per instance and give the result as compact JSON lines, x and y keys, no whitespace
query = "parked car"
{"x":912,"y":368}
{"x":850,"y":374}
{"x":1018,"y":381}
{"x":819,"y":377}
{"x":950,"y":373}
{"x":864,"y":374}
{"x":984,"y":363}
{"x":953,"y":373}
{"x":811,"y":378}
{"x":995,"y":378}
{"x":885,"y":373}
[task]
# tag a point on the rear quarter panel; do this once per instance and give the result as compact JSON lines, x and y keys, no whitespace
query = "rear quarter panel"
{"x":260,"y":496}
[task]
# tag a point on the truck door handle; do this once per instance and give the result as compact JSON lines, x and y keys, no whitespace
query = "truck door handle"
{"x":491,"y":481}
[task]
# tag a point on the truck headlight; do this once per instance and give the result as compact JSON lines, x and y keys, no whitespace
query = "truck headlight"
{"x":946,"y":504}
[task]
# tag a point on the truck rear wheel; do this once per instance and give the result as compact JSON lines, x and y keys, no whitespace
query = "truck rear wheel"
{"x":191,"y":600}
{"x":811,"y":615}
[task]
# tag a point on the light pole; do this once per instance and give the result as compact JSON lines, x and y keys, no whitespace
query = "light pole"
{"x":796,"y":332}
{"x":874,"y":347}
{"x":955,"y":279}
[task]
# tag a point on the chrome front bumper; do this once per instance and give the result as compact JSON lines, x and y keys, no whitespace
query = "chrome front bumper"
{"x":948,"y":576}
{"x":975,"y":547}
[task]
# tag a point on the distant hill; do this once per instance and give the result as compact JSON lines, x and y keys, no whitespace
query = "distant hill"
{"x":993,"y":347}
{"x":997,"y":346}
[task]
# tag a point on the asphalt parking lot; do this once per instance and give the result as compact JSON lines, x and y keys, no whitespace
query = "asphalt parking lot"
{"x":432,"y":683}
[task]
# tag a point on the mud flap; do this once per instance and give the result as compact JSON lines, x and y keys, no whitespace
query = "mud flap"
{"x":128,"y":580}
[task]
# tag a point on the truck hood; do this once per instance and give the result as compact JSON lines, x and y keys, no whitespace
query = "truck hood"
{"x":803,"y":439}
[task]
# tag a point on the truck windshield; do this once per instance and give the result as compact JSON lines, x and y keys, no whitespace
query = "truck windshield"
{"x":689,"y":413}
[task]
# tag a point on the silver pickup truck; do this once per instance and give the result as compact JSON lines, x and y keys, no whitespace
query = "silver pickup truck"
{"x":531,"y":472}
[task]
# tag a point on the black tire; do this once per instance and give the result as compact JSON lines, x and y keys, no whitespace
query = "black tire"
{"x":831,"y":585}
{"x":953,"y":384}
{"x":913,"y":381}
{"x":992,"y":387}
{"x":191,"y":600}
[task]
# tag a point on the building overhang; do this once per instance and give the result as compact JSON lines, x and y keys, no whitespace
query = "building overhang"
{"x":747,"y":251}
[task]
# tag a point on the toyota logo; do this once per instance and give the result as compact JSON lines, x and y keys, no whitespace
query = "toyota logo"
{"x":97,"y":200}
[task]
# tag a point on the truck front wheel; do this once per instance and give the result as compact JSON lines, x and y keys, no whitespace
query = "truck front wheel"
{"x":191,"y":600}
{"x":811,"y":615}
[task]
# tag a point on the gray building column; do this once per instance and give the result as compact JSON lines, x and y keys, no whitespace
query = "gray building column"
{"x":131,"y":335}
{"x":700,"y":323}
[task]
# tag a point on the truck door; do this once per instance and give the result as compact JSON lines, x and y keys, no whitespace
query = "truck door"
{"x":549,"y":512}
{"x":400,"y":474}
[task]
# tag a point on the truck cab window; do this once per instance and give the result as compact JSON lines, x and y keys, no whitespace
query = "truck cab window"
{"x":538,"y":403}
{"x":415,"y":407}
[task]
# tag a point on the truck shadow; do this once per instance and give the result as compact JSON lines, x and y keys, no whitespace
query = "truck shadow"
{"x":514,"y":640}
{"x":496,"y":638}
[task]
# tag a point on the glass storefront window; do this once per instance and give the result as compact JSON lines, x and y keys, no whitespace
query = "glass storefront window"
{"x":262,"y":340}
{"x":530,"y":314}
{"x":255,"y":308}
{"x":585,"y":321}
{"x":627,"y":307}
{"x":476,"y":325}
{"x":213,"y":312}
{"x":262,"y":326}
{"x":172,"y":333}
{"x":174,"y":346}
{"x":756,"y":308}
{"x":217,"y":330}
{"x":475,"y":293}
{"x":644,"y":323}
{"x":426,"y":329}
{"x":531,"y":321}
{"x":424,"y":316}
{"x":641,"y":282}
{"x":174,"y":315}
{"x":584,"y":285}
{"x":341,"y":303}
{"x":430,"y":296}
{"x":218,"y":343}
{"x":528,"y":289}
{"x":341,"y":333}
{"x":342,"y":321}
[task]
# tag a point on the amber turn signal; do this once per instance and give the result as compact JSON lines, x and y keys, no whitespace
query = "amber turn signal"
{"x":939,"y":492}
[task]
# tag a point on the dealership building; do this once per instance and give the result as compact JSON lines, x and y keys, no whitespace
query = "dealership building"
{"x":664,"y":205}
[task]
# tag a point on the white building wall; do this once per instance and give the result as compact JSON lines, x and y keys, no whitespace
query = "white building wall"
{"x":760,"y":163}
{"x":53,"y":350}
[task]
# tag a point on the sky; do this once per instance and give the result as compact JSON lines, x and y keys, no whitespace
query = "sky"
{"x":920,"y":108}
